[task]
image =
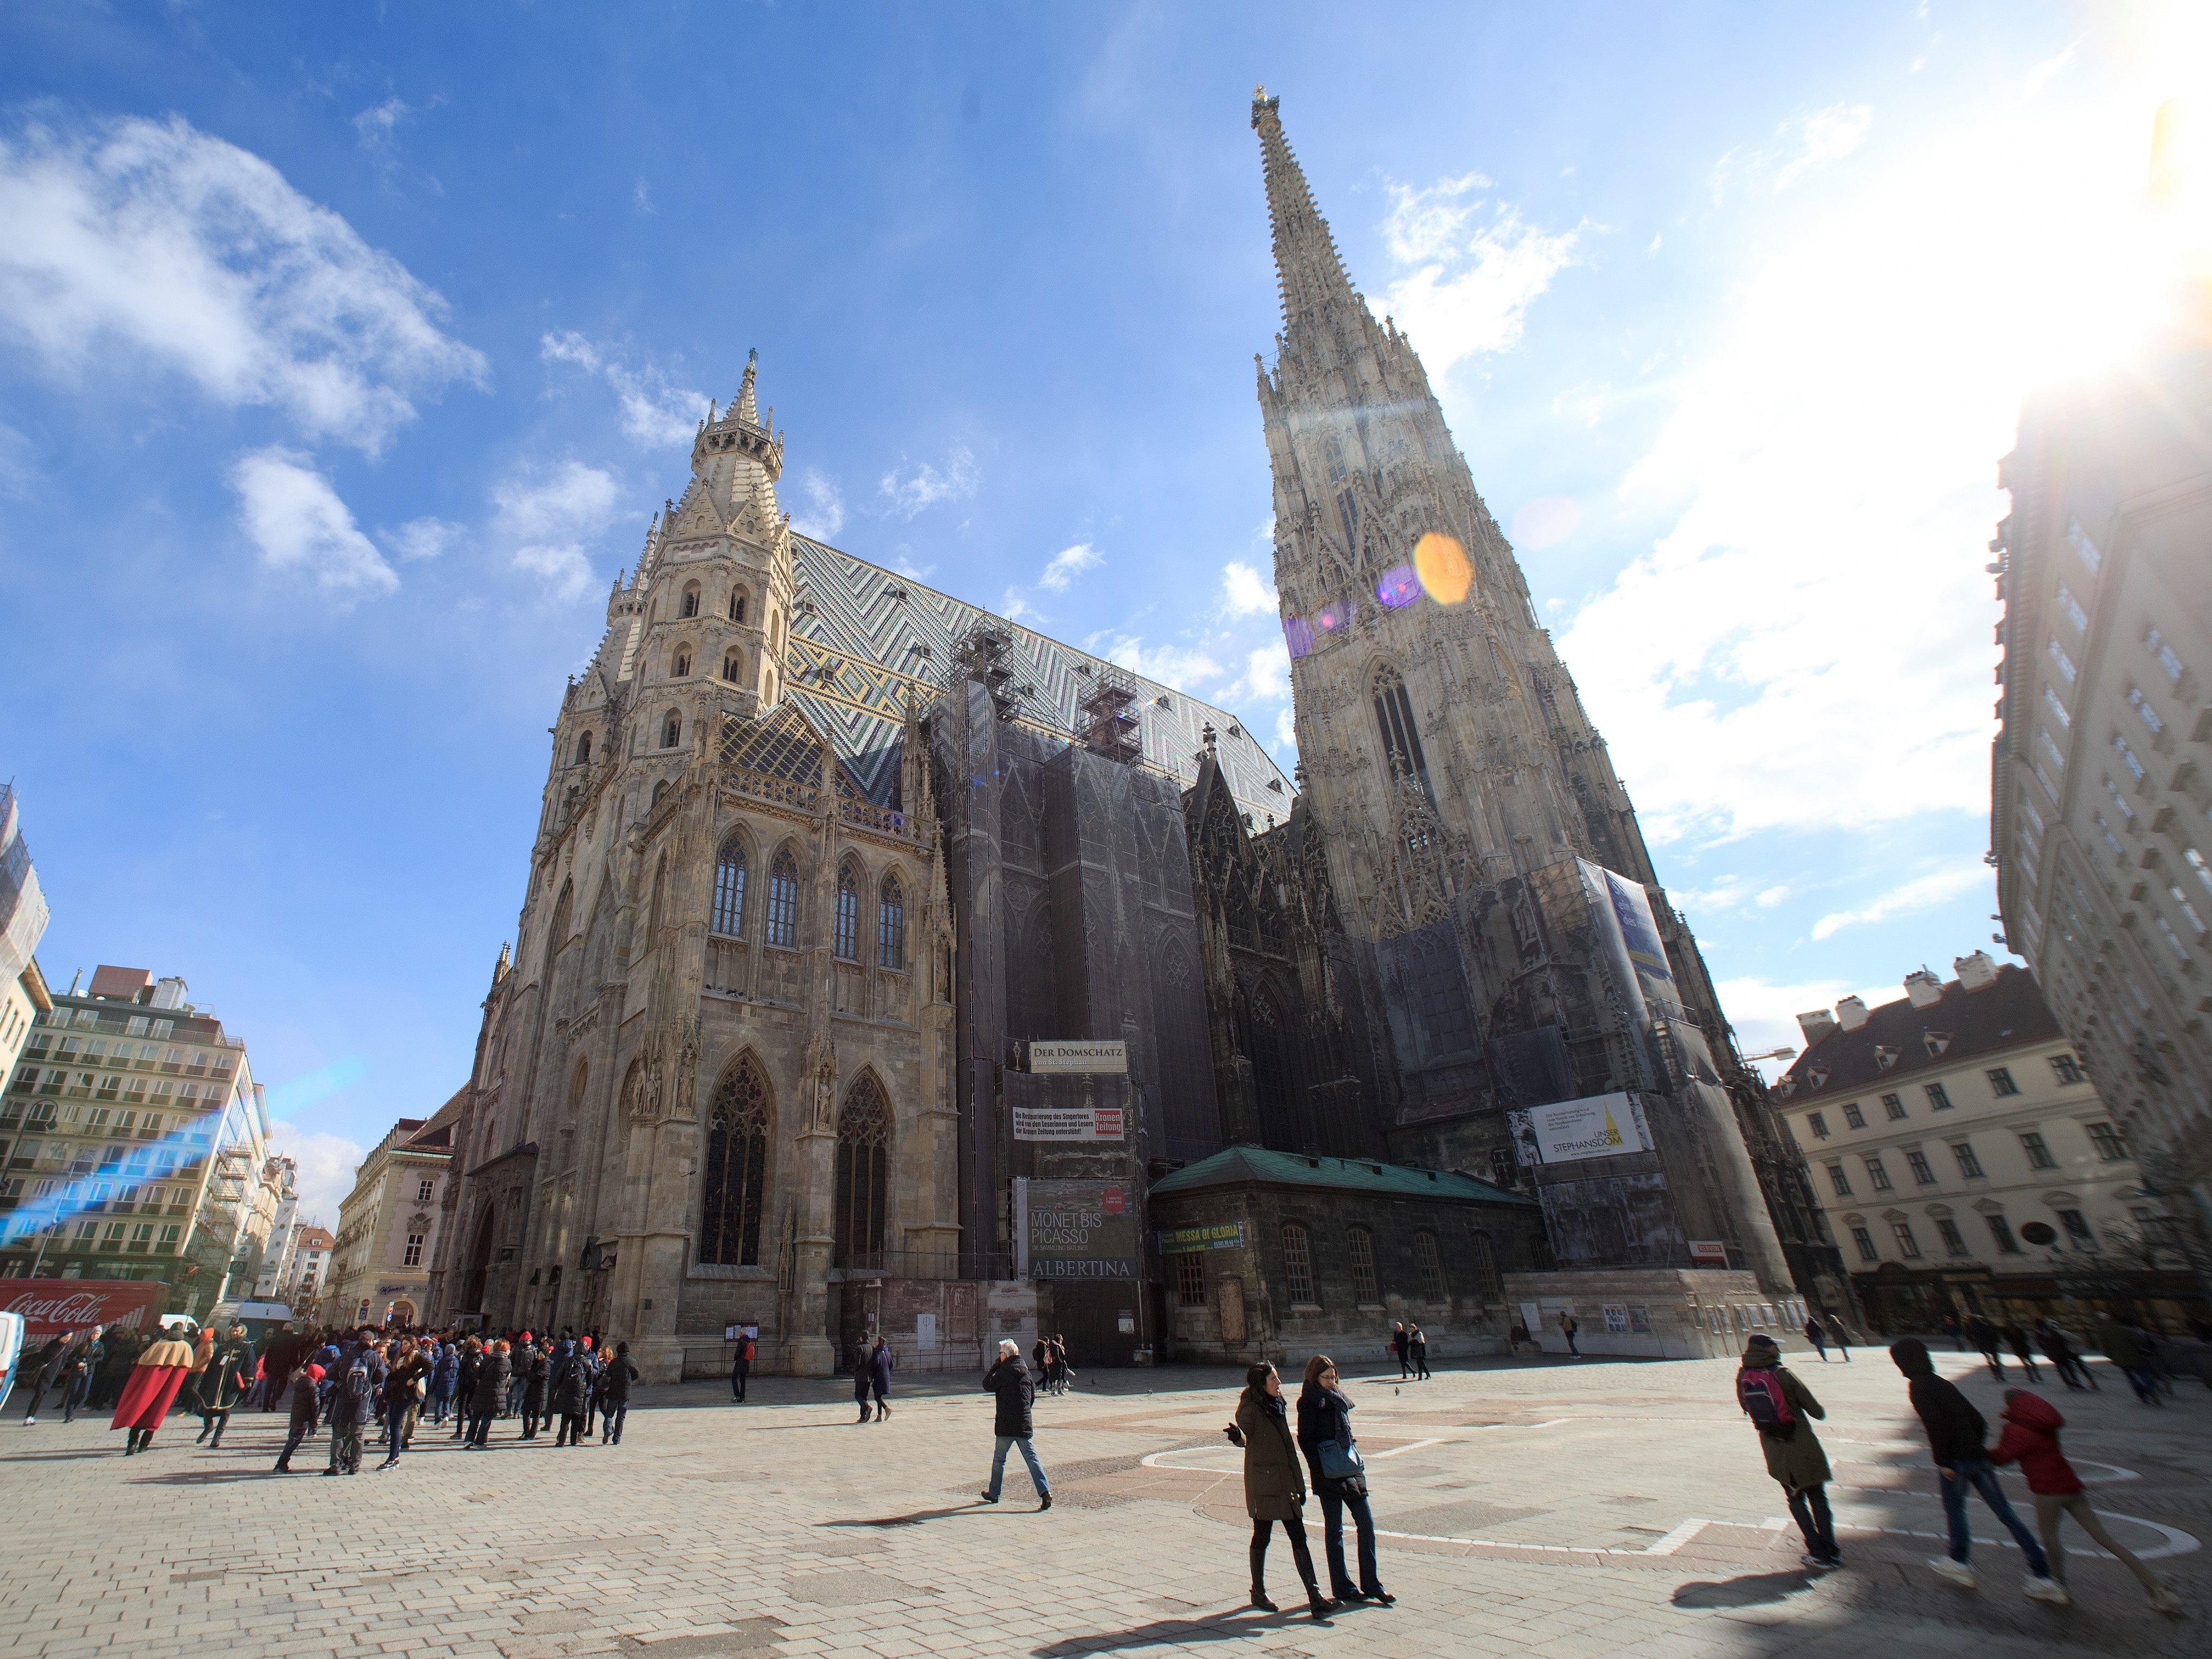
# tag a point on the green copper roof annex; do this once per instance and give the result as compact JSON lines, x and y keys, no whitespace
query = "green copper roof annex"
{"x":1237,"y":1166}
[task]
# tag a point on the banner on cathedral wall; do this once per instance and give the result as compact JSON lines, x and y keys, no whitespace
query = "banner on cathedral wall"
{"x":1070,"y":1123}
{"x":1622,"y":912}
{"x":1569,"y":1131}
{"x":1079,"y":1229}
{"x":1095,"y":1059}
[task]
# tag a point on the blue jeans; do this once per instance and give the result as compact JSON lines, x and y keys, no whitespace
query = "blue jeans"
{"x":612,"y":1416}
{"x":395,"y":1429}
{"x":1334,"y":1504}
{"x":1029,"y":1457}
{"x":1976,"y":1472}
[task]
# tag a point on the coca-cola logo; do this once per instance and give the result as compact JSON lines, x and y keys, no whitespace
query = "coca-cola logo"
{"x":53,"y":1306}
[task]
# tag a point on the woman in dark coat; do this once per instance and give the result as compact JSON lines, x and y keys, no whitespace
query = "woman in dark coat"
{"x":537,"y":1369}
{"x":1274,"y":1489}
{"x":464,"y":1385}
{"x":223,"y":1383}
{"x":616,"y":1378}
{"x":1325,"y":1414}
{"x":863,"y":1368}
{"x":571,"y":1392}
{"x":879,"y":1375}
{"x":485,"y":1394}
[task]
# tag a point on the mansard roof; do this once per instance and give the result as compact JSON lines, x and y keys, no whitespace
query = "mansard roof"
{"x":863,"y":637}
{"x":1256,"y":1166}
{"x":1900,"y":1038}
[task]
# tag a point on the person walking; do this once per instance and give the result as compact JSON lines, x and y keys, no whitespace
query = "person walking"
{"x":880,"y":1362}
{"x":154,"y":1383}
{"x":863,"y":1352}
{"x":405,"y":1384}
{"x":1013,"y":1423}
{"x":358,"y":1375}
{"x":79,"y":1369}
{"x":306,"y":1411}
{"x":2031,"y":1439}
{"x":1778,"y":1404}
{"x":465,"y":1385}
{"x":510,"y":1402}
{"x":1956,"y":1331}
{"x":1984,"y":1335}
{"x":445,"y":1378}
{"x":40,"y":1372}
{"x":1417,"y":1343}
{"x":1340,"y":1480}
{"x":1569,"y":1325}
{"x":486,"y":1395}
{"x":1402,"y":1346}
{"x":224,"y":1384}
{"x":617,"y":1378}
{"x":741,"y":1368}
{"x":1955,"y":1431}
{"x":1063,"y":1374}
{"x":535,"y":1366}
{"x":2124,"y":1347}
{"x":1838,"y":1335}
{"x":1274,"y":1487}
{"x":2023,"y":1350}
{"x":1816,"y":1336}
{"x":2059,"y":1350}
{"x":571,"y":1392}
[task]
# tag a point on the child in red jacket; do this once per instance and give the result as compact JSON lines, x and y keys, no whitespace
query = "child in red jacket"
{"x":2030,"y":1438}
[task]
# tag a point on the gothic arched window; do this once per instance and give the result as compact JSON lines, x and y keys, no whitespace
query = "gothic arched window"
{"x":737,"y":1165}
{"x":1274,"y":1082}
{"x":890,"y":925}
{"x":690,"y":607}
{"x":729,"y":915}
{"x":846,"y":940}
{"x":733,"y":666}
{"x":737,"y":607}
{"x":584,"y":750}
{"x":1393,"y":718}
{"x":679,"y":665}
{"x":863,"y":1145}
{"x":672,"y":730}
{"x":783,"y":901}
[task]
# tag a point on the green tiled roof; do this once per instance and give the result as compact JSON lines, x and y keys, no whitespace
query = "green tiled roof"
{"x":1237,"y":1166}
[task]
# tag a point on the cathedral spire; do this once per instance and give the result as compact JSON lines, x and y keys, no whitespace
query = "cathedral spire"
{"x":746,"y":409}
{"x":1307,"y":266}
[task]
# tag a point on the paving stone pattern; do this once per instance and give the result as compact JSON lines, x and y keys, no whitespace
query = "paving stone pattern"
{"x":1579,"y":1511}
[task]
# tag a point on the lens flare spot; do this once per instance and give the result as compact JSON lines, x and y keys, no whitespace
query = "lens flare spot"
{"x":1297,"y":634}
{"x":1443,"y":566}
{"x":1400,"y":586}
{"x":1332,"y":619}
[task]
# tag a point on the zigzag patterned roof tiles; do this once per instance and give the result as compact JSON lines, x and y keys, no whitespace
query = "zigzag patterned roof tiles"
{"x":862,"y":636}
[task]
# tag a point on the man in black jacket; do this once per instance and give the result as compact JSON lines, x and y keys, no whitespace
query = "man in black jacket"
{"x":1955,"y":1430}
{"x":1009,"y":1380}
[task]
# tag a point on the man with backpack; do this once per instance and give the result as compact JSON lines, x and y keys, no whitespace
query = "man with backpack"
{"x":1955,"y":1431}
{"x":306,"y":1410}
{"x":356,"y":1381}
{"x":1778,"y":1404}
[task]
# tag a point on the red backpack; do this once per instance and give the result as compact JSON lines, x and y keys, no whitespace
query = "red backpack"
{"x":1759,"y":1391}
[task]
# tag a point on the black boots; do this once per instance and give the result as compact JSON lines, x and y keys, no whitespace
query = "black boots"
{"x":1319,"y":1605}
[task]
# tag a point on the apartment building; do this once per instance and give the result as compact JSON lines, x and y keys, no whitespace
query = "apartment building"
{"x":1966,"y":1163}
{"x":134,"y":1139}
{"x":23,"y":994}
{"x":387,"y":1232}
{"x":304,"y":1286}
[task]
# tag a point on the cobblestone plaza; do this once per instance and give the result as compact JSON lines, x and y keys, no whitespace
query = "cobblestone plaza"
{"x":1526,"y":1507}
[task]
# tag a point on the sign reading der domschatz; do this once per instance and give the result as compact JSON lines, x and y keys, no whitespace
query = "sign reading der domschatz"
{"x":1097,"y":1058}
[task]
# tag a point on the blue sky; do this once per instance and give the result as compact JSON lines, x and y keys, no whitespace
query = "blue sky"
{"x":343,"y":358}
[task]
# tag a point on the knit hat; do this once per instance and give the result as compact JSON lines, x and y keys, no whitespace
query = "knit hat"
{"x":1761,"y":1351}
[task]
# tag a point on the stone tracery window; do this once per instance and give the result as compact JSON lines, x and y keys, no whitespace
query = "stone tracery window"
{"x":863,"y":1137}
{"x":737,"y":1163}
{"x":846,"y":938}
{"x":729,"y":917}
{"x":783,"y":901}
{"x":890,"y":925}
{"x":1393,"y":717}
{"x":690,"y":607}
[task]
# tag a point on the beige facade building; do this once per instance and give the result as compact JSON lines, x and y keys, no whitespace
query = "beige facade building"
{"x":2101,"y":814}
{"x":387,"y":1236}
{"x":304,"y":1285}
{"x":1965,"y":1163}
{"x":23,"y":993}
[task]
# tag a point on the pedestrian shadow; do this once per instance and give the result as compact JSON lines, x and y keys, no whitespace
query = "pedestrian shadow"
{"x":913,"y":1518}
{"x":208,"y":1477}
{"x":56,"y":1456}
{"x":1225,"y":1627}
{"x":1751,"y":1590}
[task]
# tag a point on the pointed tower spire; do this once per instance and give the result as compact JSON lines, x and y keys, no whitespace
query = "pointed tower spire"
{"x":1307,"y":266}
{"x":747,"y":409}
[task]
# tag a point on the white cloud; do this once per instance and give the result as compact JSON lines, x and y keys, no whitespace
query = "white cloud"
{"x":1921,"y":893}
{"x":551,"y":515}
{"x":1287,"y":729}
{"x":1267,"y":675}
{"x":1014,"y":607}
{"x":824,"y":515}
{"x":914,"y":492}
{"x":1065,"y":566}
{"x":1827,"y":135}
{"x":1185,"y":668}
{"x":1245,"y":591}
{"x":1808,"y":645}
{"x":295,"y":518}
{"x":642,"y":198}
{"x":420,"y":538}
{"x":153,"y":247}
{"x":1771,"y":897}
{"x":325,"y":1165}
{"x":656,"y":413}
{"x":2048,"y":68}
{"x":1472,"y":283}
{"x":374,"y":126}
{"x":1765,"y":1012}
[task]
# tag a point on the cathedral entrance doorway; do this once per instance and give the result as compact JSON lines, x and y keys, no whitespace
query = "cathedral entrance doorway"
{"x":1090,"y":1314}
{"x":472,"y":1290}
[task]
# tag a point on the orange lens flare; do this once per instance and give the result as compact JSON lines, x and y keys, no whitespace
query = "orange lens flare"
{"x":1445,"y":571}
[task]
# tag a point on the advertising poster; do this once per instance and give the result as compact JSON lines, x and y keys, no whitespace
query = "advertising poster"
{"x":1070,"y":1122}
{"x":1216,"y":1236}
{"x":1567,"y":1131}
{"x":51,"y":1306}
{"x":1080,"y":1058}
{"x":1081,"y":1229}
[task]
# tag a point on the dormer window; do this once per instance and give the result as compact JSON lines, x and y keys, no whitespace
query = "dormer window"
{"x":1935,"y":1041}
{"x":1884,"y":1057}
{"x":1820,"y":1076}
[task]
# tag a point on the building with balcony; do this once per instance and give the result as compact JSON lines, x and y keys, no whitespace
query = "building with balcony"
{"x":134,"y":1139}
{"x":23,"y":995}
{"x":1966,"y":1163}
{"x":303,"y":1286}
{"x":2102,"y":807}
{"x":387,"y":1236}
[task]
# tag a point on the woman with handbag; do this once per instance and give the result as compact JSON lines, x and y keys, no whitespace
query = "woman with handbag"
{"x":1340,"y":1480}
{"x":1274,"y":1488}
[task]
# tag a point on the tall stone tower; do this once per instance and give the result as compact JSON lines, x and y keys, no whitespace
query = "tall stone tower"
{"x":1456,"y":781}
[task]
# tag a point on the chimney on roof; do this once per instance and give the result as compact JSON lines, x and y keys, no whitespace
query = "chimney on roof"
{"x":1975,"y":971}
{"x":1851,"y":1013}
{"x":1924,"y":987}
{"x":170,"y":994}
{"x":1816,"y":1026}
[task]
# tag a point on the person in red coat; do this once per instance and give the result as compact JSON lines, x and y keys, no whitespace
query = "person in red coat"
{"x":2031,"y":1439}
{"x":151,"y":1391}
